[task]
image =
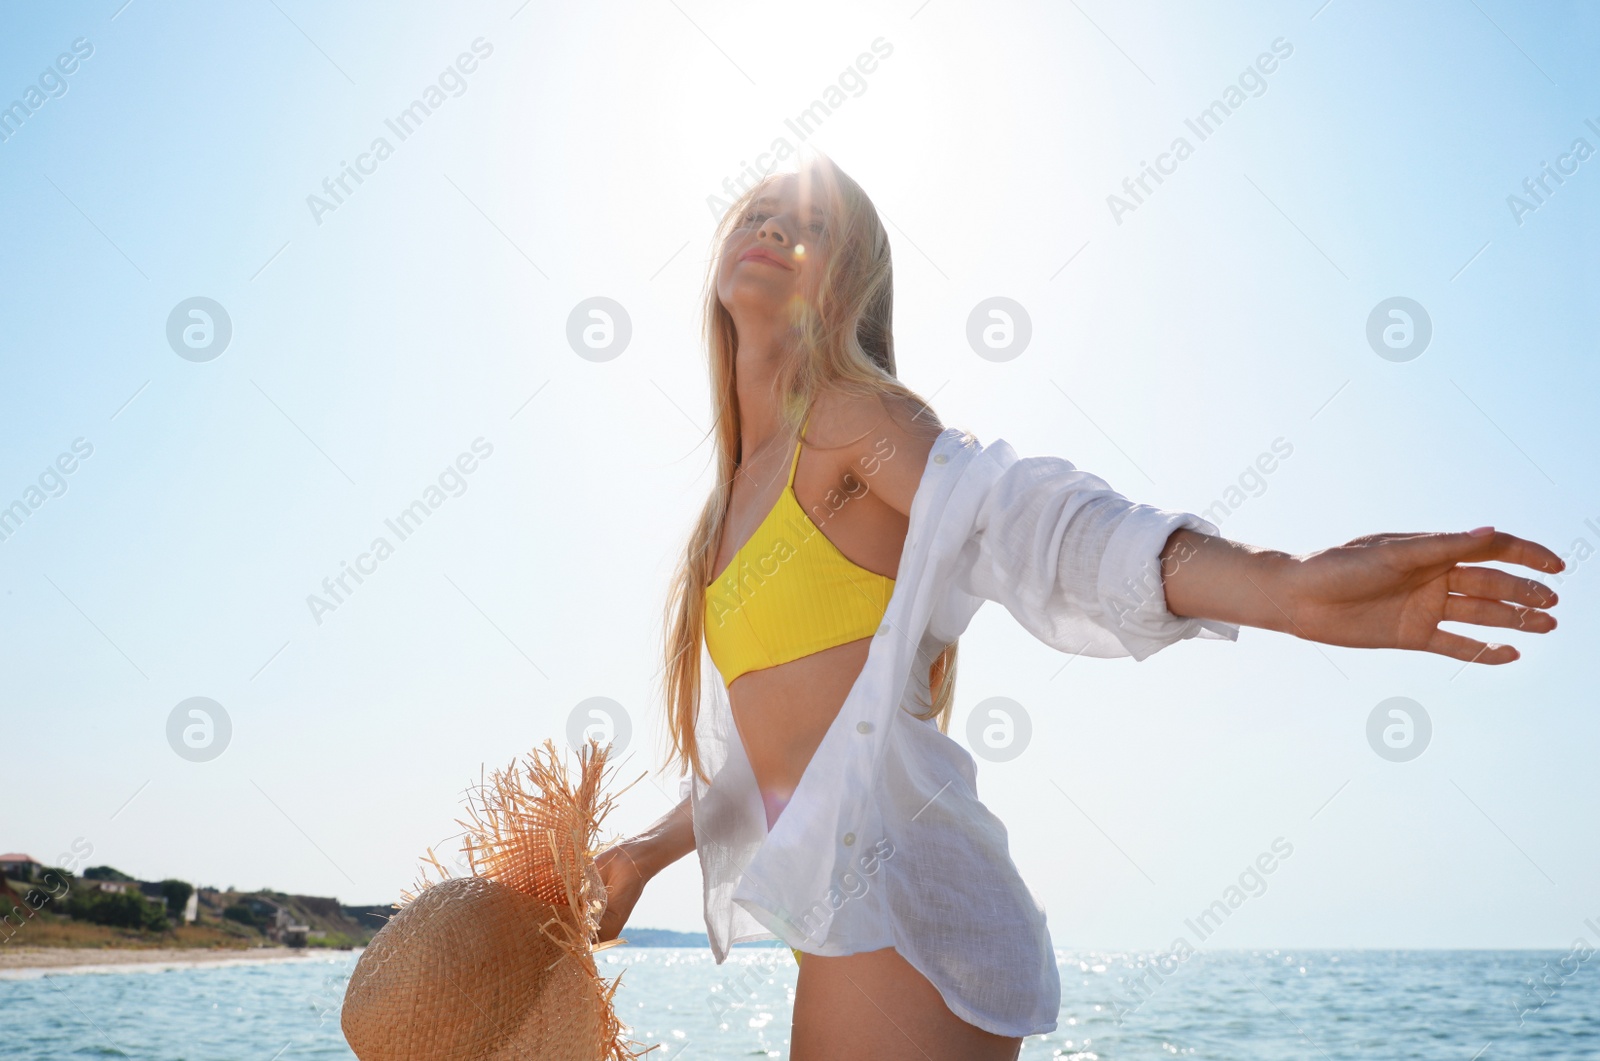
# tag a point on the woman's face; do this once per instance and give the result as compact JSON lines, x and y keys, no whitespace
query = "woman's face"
{"x":775,"y":253}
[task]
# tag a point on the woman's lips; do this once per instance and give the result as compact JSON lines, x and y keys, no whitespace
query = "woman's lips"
{"x":758,"y":255}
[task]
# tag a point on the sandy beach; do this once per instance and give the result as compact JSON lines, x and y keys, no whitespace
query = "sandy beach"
{"x":27,"y":962}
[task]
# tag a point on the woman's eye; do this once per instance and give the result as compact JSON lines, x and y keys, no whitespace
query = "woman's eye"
{"x":752,"y":217}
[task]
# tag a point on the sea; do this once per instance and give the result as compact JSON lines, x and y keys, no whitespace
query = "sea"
{"x":1116,"y":1006}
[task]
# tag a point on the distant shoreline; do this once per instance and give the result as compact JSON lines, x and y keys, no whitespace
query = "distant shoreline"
{"x":21,"y":963}
{"x":30,"y":963}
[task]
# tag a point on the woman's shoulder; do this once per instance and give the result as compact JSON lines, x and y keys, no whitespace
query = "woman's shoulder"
{"x":883,"y":439}
{"x":866,"y":422}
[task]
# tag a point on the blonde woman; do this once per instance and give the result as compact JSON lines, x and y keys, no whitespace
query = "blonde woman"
{"x":811,"y":634}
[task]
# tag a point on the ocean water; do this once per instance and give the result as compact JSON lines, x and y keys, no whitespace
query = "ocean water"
{"x":1279,"y":1005}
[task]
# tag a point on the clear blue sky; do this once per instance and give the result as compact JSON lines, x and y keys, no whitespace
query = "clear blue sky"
{"x":376,"y":336}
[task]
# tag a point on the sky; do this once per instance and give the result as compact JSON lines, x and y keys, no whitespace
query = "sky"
{"x":225,"y":375}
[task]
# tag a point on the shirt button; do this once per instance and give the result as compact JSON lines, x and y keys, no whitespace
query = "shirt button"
{"x":849,"y":838}
{"x":940,"y":458}
{"x":863,"y":727}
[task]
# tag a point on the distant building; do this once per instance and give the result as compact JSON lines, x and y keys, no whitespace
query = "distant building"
{"x":115,"y":887}
{"x":281,"y":926}
{"x":277,"y":920}
{"x":19,"y":866}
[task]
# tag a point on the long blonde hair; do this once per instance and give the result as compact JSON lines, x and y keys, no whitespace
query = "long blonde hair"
{"x":844,"y":342}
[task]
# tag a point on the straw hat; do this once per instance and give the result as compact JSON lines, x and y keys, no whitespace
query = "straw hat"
{"x":499,"y":964}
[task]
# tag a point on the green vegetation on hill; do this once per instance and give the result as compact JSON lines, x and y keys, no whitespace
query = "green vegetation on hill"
{"x":177,"y":893}
{"x":69,"y":911}
{"x":128,"y":909}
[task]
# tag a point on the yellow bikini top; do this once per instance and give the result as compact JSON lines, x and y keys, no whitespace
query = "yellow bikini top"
{"x":789,"y":592}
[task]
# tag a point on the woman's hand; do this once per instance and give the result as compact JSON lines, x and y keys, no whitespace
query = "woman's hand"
{"x":624,"y":883}
{"x":1393,"y":591}
{"x":1377,"y":591}
{"x":627,"y":866}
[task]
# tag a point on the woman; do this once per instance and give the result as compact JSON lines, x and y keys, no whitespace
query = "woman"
{"x":849,"y":540}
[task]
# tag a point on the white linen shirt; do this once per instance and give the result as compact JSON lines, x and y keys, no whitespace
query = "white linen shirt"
{"x":884,"y":842}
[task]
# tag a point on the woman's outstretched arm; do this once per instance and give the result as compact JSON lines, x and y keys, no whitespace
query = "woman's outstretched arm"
{"x":627,"y":866}
{"x":1377,"y":591}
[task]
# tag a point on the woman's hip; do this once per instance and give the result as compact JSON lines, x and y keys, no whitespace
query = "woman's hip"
{"x":877,"y":1005}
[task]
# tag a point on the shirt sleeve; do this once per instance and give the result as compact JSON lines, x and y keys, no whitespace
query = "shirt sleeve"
{"x":1078,"y":564}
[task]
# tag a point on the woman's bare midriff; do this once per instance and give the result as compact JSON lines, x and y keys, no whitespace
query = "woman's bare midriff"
{"x":783,"y":712}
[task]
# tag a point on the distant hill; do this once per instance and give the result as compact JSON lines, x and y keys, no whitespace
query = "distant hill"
{"x":665,"y":937}
{"x":228,"y":917}
{"x":370,"y":918}
{"x":324,"y":921}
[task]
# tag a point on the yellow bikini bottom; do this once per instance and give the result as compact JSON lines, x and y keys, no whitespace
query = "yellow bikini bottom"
{"x":796,"y":955}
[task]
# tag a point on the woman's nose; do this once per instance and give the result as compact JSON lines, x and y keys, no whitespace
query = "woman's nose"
{"x":773,"y":229}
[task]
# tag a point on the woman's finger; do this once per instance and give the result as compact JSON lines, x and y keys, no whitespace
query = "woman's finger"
{"x":1481,"y":612}
{"x":1493,"y":584}
{"x":1463,"y":547}
{"x":1466,"y":649}
{"x":1514,"y":550}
